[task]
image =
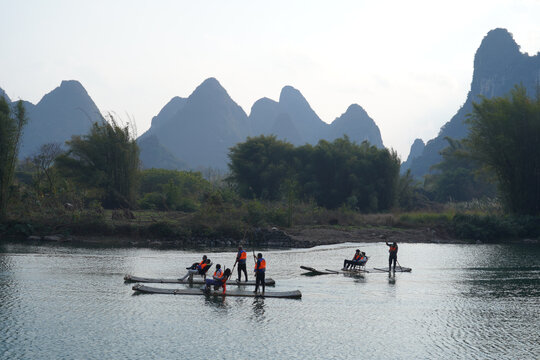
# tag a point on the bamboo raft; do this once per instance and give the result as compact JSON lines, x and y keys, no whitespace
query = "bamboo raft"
{"x":355,"y":271}
{"x":140,"y":288}
{"x":398,"y":269}
{"x":196,"y":281}
{"x":313,"y":272}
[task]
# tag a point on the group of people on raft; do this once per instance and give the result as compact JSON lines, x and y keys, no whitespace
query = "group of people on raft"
{"x":360,"y":258}
{"x":220,"y":276}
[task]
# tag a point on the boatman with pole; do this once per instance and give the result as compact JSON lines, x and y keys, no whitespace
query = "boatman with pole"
{"x":241,"y":258}
{"x":393,"y":249}
{"x":260,"y":270}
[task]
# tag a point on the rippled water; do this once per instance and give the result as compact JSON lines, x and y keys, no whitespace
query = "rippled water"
{"x":459,"y":302}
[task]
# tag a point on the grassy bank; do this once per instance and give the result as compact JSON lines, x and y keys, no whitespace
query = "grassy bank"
{"x":239,"y":222}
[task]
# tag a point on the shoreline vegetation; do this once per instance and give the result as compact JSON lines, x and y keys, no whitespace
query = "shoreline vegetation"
{"x":277,"y":195}
{"x":224,"y":230}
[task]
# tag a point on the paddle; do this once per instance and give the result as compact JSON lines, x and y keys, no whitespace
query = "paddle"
{"x":254,"y":258}
{"x":400,"y":267}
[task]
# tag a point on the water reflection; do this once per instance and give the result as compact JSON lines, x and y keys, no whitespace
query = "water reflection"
{"x":6,"y":264}
{"x":461,"y":302}
{"x":358,"y":277}
{"x":258,"y":309}
{"x":508,"y":275}
{"x":216,"y":302}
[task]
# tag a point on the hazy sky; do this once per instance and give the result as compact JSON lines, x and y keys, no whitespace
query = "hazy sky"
{"x":407,"y":63}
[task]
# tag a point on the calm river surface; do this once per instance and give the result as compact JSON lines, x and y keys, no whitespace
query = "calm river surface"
{"x":459,"y":302}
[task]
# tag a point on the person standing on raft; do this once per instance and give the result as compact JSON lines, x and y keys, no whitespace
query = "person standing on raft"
{"x":260,"y":270}
{"x":393,"y":249}
{"x":241,"y":258}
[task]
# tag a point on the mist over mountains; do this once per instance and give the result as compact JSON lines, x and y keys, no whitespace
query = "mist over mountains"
{"x":498,"y":67}
{"x":194,"y":132}
{"x":66,"y":111}
{"x":197,"y":131}
{"x":200,"y":129}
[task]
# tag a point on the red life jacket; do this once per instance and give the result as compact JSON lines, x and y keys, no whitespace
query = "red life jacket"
{"x":356,"y":257}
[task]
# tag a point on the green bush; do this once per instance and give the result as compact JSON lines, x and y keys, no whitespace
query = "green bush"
{"x":490,"y":227}
{"x":426,"y":218}
{"x":14,"y":228}
{"x":256,"y":213}
{"x":152,"y":201}
{"x":161,"y":230}
{"x":278,"y":217}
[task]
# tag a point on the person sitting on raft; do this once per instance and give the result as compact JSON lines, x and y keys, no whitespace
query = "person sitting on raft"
{"x":198,"y":268}
{"x":218,"y":280}
{"x":359,"y":258}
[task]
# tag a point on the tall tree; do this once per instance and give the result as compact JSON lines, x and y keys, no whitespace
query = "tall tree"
{"x":42,"y":163}
{"x":332,"y":173}
{"x":107,"y":159}
{"x":459,"y":177}
{"x":505,"y":136}
{"x":11,"y":127}
{"x":343,"y":172}
{"x":260,"y":165}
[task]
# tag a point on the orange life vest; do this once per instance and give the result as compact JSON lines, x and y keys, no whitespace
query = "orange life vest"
{"x":203,"y":265}
{"x":243,"y":255}
{"x":262,"y":265}
{"x":219,"y":274}
{"x":356,"y":257}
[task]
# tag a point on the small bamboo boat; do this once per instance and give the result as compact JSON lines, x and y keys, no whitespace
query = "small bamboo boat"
{"x":398,"y":269}
{"x":313,"y":272}
{"x":295,"y":294}
{"x":196,"y":281}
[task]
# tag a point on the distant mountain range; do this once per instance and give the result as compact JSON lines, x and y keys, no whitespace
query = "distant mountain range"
{"x":4,"y":95}
{"x":201,"y":129}
{"x":198,"y":131}
{"x":194,"y":132}
{"x":498,"y":67}
{"x":66,"y":111}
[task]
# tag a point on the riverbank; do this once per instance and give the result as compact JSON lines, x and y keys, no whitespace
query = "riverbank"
{"x":296,"y":237}
{"x":177,"y":230}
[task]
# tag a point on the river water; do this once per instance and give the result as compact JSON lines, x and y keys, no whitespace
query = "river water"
{"x":459,"y":302}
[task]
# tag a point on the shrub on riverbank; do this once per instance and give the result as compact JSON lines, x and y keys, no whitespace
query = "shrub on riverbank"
{"x":218,"y":219}
{"x":494,"y":227}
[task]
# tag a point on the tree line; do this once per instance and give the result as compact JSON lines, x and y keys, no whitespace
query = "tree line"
{"x":500,"y":157}
{"x":333,"y":174}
